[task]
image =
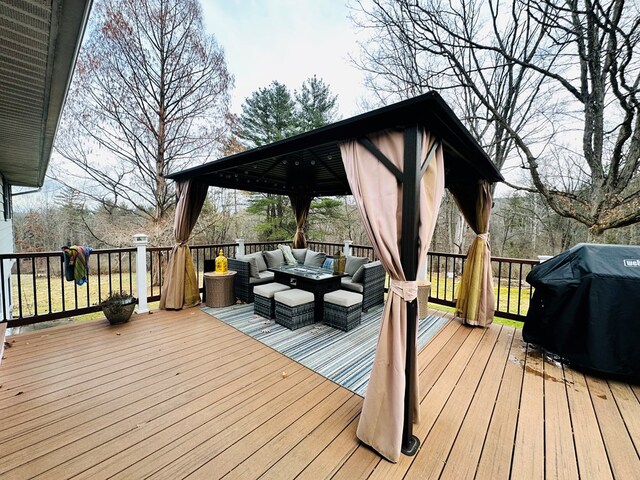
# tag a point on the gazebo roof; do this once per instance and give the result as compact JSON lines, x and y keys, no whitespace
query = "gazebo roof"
{"x":310,"y":163}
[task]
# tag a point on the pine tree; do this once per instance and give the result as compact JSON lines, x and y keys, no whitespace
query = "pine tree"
{"x":316,"y":106}
{"x":270,"y":114}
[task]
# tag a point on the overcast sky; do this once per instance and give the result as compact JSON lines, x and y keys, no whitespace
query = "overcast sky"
{"x":288,"y":41}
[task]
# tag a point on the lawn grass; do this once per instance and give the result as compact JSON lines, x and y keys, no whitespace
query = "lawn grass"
{"x":498,"y":320}
{"x":508,"y":297}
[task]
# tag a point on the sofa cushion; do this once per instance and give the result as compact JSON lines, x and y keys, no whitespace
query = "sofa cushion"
{"x":265,"y":277}
{"x":347,"y":284}
{"x":299,"y":254}
{"x":253,"y":264}
{"x":274,"y":258}
{"x":314,"y":259}
{"x":353,"y":264}
{"x":358,"y":277}
{"x":262,"y":265}
{"x":288,"y":255}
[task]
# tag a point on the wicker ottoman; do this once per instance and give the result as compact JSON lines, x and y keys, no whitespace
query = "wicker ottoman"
{"x":294,"y":308}
{"x":343,"y":309}
{"x":263,"y":303}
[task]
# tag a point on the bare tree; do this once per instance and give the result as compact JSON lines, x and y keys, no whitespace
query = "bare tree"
{"x":149,"y":97}
{"x":556,"y":79}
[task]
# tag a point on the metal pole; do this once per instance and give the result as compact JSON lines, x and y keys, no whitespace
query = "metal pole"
{"x":409,"y":258}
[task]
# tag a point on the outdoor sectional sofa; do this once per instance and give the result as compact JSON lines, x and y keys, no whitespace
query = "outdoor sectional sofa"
{"x":369,"y":281}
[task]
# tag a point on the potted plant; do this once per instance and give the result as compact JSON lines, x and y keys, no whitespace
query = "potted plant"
{"x":118,"y":307}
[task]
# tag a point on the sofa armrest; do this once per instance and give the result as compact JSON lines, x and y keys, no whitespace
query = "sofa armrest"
{"x":373,"y":285}
{"x":243,"y":290}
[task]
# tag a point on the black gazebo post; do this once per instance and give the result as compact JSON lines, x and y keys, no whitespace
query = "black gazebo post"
{"x":409,"y":259}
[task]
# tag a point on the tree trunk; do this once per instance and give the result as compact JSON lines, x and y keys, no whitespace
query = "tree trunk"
{"x":595,"y":236}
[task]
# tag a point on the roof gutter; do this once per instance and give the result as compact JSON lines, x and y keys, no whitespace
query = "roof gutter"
{"x":26,"y":192}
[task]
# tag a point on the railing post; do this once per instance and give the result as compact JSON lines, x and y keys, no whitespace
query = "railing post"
{"x":347,"y":247}
{"x":240,"y":247}
{"x":140,"y":240}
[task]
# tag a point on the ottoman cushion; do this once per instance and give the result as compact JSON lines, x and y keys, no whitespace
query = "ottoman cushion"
{"x":343,"y":298}
{"x":293,"y":298}
{"x":270,"y":289}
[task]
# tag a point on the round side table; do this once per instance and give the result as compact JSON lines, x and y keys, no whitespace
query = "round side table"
{"x":219,"y":286}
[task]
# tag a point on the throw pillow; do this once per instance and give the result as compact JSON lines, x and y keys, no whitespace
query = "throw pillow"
{"x":314,"y":259}
{"x":262,"y":265}
{"x":353,"y":264}
{"x":288,"y":255}
{"x":299,"y":254}
{"x":274,"y":258}
{"x":253,"y":265}
{"x":358,"y":277}
{"x":328,"y":263}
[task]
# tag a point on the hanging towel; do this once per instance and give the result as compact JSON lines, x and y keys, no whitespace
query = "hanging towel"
{"x":76,"y":263}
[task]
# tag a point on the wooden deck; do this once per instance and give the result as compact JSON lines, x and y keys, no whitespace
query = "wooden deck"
{"x":181,"y":394}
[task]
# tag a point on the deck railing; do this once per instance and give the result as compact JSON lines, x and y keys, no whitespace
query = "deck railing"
{"x":35,"y":289}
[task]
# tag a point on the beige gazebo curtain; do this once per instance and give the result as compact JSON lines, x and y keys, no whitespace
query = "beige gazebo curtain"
{"x":301,"y":205}
{"x":476,"y":300}
{"x":379,"y":199}
{"x":180,"y":287}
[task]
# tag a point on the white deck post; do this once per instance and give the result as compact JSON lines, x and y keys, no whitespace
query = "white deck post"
{"x":140,"y":240}
{"x":347,"y":247}
{"x":240,"y":247}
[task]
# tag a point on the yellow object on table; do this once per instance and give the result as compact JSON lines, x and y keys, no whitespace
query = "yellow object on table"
{"x":221,"y":263}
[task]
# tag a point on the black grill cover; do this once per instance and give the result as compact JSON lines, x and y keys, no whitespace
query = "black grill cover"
{"x":586,"y":308}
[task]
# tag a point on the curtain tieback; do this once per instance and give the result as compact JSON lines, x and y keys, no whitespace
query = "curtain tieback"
{"x":300,"y":230}
{"x":484,"y":236}
{"x":407,"y":289}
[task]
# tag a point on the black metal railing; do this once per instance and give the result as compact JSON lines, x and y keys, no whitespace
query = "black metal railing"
{"x":35,"y":289}
{"x":38,"y":291}
{"x":512,"y":292}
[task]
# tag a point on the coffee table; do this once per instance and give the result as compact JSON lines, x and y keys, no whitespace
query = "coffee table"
{"x":312,"y":279}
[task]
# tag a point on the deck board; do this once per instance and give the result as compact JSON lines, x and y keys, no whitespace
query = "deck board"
{"x":497,"y":451}
{"x":460,"y":463}
{"x":590,"y":449}
{"x":181,"y":394}
{"x":528,"y":454}
{"x":629,"y":409}
{"x":560,"y":454}
{"x":300,"y":456}
{"x":623,"y":457}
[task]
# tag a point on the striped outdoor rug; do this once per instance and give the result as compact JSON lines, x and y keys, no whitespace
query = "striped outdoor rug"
{"x":344,"y":357}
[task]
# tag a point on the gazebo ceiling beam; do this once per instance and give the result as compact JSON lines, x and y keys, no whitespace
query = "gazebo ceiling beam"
{"x":368,"y":144}
{"x":430,"y":154}
{"x":340,"y":178}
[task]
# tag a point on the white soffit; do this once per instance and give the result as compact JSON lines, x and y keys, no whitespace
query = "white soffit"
{"x":39,"y":41}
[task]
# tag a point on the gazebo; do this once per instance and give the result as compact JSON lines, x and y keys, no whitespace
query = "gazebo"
{"x":396,"y":162}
